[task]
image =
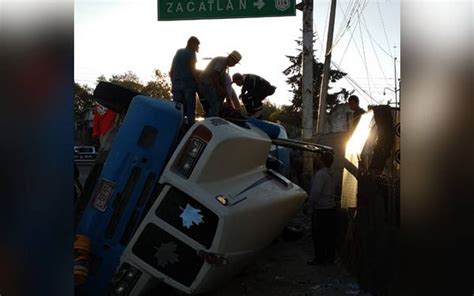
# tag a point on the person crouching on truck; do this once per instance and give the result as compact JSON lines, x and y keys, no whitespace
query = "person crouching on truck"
{"x":254,"y":90}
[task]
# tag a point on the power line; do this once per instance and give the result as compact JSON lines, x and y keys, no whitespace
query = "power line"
{"x":345,"y":24}
{"x":383,"y":25}
{"x":373,"y":47}
{"x":347,"y":77}
{"x":325,"y":33}
{"x":352,"y":15}
{"x":355,"y":8}
{"x":374,"y":40}
{"x":348,"y":43}
{"x":383,"y":49}
{"x":364,"y":57}
{"x":354,"y":83}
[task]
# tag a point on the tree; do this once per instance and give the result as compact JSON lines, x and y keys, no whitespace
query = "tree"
{"x":128,"y":79}
{"x":289,"y":118}
{"x":294,"y":74}
{"x":337,"y":98}
{"x":284,"y":115}
{"x":83,"y":99}
{"x":159,"y":87}
{"x":268,"y":110}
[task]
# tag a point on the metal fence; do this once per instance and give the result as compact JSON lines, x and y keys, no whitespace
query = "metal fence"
{"x":370,"y":241}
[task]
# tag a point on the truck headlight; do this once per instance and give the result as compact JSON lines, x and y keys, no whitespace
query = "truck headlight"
{"x":124,"y":279}
{"x":192,"y":150}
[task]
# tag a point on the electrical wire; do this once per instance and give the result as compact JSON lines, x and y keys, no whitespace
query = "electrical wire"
{"x":345,"y":24}
{"x":348,"y":43}
{"x":325,"y":33}
{"x":381,"y":47}
{"x":373,"y":48}
{"x":364,"y":58}
{"x":347,"y":20}
{"x":348,"y":78}
{"x":355,"y":12}
{"x":354,"y":83}
{"x":383,"y":25}
{"x":353,"y":16}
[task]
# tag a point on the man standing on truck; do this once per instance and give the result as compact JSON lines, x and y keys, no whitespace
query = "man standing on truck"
{"x":184,"y":78}
{"x":213,"y":84}
{"x":254,"y":90}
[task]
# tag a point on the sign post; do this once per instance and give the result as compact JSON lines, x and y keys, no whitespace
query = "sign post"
{"x":173,"y":10}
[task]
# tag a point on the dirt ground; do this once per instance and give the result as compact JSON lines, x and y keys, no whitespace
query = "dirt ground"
{"x":281,"y":270}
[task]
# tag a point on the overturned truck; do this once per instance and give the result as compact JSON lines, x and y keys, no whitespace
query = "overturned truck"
{"x":186,"y":208}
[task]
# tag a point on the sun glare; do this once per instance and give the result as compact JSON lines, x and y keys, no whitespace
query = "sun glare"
{"x":360,"y":135}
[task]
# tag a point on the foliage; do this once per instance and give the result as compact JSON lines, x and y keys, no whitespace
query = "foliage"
{"x":158,"y":87}
{"x":268,"y":110}
{"x":286,"y":116}
{"x":82,"y":99}
{"x":294,"y":74}
{"x":129,"y":80}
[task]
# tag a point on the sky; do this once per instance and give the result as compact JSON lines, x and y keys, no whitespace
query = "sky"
{"x":116,"y":36}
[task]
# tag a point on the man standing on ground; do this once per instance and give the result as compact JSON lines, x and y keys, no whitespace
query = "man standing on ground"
{"x":322,"y":201}
{"x":212,"y":81}
{"x":254,"y":90}
{"x":358,"y":111}
{"x":184,"y":78}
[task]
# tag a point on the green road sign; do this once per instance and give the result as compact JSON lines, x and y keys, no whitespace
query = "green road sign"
{"x":171,"y":10}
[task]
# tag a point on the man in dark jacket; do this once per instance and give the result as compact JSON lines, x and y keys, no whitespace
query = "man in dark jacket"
{"x":254,"y":90}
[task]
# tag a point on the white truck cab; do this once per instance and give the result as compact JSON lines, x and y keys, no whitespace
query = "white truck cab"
{"x":218,"y":207}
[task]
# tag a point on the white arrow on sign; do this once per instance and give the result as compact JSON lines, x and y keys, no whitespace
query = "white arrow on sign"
{"x":259,"y":4}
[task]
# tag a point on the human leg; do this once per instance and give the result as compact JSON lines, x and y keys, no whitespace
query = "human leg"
{"x":332,"y":228}
{"x":178,"y":96}
{"x":317,"y":239}
{"x":320,"y":246}
{"x":327,"y":235}
{"x":212,"y":99}
{"x":189,"y":95}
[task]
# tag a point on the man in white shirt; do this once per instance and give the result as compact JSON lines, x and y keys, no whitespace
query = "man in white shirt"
{"x":212,"y":81}
{"x":322,"y":201}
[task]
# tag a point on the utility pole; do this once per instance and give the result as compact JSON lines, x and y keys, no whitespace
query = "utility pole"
{"x":325,"y":79}
{"x":307,"y":83}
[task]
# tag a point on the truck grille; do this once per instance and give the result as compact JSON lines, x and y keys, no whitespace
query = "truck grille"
{"x":168,"y":255}
{"x":200,"y":225}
